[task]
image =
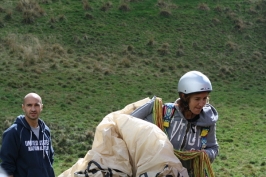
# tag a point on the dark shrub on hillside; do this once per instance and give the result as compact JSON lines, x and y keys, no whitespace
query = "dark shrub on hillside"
{"x":86,"y":5}
{"x":165,"y":13}
{"x":8,"y":15}
{"x":106,"y":6}
{"x":88,"y":16}
{"x":124,"y":7}
{"x":180,"y":53}
{"x":28,"y":17}
{"x":61,"y":17}
{"x":2,"y":10}
{"x":218,"y":9}
{"x":2,"y":25}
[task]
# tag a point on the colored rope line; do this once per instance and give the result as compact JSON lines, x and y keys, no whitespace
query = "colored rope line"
{"x":158,"y":113}
{"x":200,"y":162}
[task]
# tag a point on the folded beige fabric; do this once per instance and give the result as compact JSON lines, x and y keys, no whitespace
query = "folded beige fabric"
{"x":130,"y":147}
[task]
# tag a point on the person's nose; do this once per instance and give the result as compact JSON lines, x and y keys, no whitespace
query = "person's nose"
{"x":202,"y":103}
{"x":33,"y":108}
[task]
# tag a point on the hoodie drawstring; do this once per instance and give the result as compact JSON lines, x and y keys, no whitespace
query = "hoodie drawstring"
{"x":30,"y":138}
{"x":43,"y":144}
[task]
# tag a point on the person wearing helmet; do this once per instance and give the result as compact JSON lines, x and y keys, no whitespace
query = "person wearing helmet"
{"x":192,"y":124}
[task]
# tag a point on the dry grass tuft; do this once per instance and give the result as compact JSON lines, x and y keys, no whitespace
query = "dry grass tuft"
{"x":151,"y":42}
{"x":231,"y":46}
{"x":8,"y":15}
{"x":28,"y":16}
{"x":195,"y":45}
{"x":106,"y":6}
{"x":89,"y":134}
{"x":252,"y":11}
{"x":88,"y":16}
{"x":130,"y":48}
{"x":30,"y":10}
{"x":218,"y":9}
{"x":31,"y":50}
{"x":203,"y":6}
{"x":77,"y":40}
{"x":239,"y":24}
{"x":216,"y":21}
{"x":164,"y":49}
{"x":61,"y":17}
{"x":58,"y":49}
{"x":231,"y":15}
{"x":7,"y":123}
{"x":97,"y":67}
{"x":162,"y":4}
{"x":2,"y":24}
{"x":165,"y":46}
{"x":225,"y":70}
{"x":86,"y":5}
{"x":30,"y":5}
{"x":257,"y":55}
{"x":260,"y":20}
{"x":125,"y":62}
{"x":165,"y":8}
{"x":45,"y":1}
{"x":180,"y":53}
{"x":52,"y":20}
{"x":2,"y":10}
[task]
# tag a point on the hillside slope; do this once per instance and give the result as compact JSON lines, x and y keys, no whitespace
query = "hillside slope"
{"x":88,"y":58}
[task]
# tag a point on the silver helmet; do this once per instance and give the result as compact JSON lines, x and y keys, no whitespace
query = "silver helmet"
{"x":194,"y":81}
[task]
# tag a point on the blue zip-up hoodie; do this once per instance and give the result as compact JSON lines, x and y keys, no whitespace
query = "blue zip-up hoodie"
{"x":23,"y":154}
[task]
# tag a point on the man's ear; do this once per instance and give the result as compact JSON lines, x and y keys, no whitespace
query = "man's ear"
{"x":22,"y":106}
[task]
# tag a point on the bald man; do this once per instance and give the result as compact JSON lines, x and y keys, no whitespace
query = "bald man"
{"x":26,"y":145}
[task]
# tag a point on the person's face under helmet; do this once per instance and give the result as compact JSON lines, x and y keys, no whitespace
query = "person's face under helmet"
{"x":194,"y":88}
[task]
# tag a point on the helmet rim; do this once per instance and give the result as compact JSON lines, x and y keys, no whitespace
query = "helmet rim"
{"x":194,"y":81}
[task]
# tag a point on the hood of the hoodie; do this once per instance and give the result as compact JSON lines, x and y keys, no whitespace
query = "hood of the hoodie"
{"x":207,"y":117}
{"x":22,"y":121}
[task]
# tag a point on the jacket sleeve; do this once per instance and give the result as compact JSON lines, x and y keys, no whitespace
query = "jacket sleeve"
{"x":9,"y":150}
{"x":212,"y":148}
{"x":144,"y":112}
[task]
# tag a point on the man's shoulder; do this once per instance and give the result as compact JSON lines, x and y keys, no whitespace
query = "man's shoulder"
{"x":12,"y":130}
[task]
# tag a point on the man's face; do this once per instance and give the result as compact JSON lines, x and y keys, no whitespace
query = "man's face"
{"x":32,"y":107}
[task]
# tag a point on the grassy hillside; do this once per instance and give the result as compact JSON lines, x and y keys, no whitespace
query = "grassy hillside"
{"x":89,"y":58}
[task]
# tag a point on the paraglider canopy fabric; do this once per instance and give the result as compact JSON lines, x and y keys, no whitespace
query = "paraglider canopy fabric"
{"x":130,"y":146}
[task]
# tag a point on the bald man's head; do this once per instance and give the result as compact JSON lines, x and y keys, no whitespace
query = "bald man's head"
{"x":32,"y":95}
{"x":32,"y":107}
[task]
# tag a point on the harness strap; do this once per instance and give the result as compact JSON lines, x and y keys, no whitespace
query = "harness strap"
{"x":168,"y":113}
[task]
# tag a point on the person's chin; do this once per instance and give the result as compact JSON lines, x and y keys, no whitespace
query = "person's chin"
{"x":34,"y":117}
{"x":197,"y":112}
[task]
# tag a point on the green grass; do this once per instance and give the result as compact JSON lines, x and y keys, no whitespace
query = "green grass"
{"x":86,"y":63}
